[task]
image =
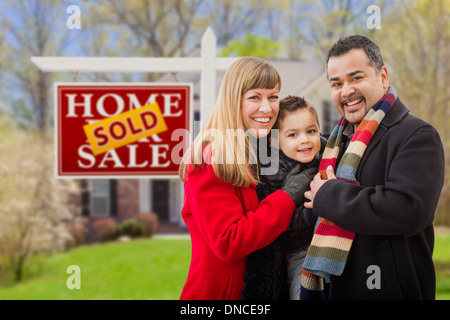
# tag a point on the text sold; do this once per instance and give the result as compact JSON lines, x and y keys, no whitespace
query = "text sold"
{"x":125,"y":128}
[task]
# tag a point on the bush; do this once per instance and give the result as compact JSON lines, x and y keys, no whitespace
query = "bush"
{"x":132,"y":228}
{"x":149,"y":220}
{"x":77,"y":230}
{"x":34,"y":206}
{"x":106,"y":229}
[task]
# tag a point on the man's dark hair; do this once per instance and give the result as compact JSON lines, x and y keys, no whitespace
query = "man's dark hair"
{"x":344,"y":45}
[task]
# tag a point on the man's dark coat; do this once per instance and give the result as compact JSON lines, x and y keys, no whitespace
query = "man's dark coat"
{"x":401,"y":176}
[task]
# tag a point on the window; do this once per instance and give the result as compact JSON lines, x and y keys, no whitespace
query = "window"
{"x":100,"y":197}
{"x":330,"y":117}
{"x":196,"y":127}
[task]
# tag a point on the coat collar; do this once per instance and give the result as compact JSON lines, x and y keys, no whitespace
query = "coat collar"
{"x":395,"y":115}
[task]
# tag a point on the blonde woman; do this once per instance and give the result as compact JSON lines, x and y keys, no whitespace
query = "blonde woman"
{"x":220,"y":172}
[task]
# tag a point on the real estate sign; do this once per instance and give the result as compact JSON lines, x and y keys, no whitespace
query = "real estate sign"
{"x":121,"y":130}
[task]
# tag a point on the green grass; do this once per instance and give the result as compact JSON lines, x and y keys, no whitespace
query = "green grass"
{"x":441,"y":258}
{"x":142,"y":269}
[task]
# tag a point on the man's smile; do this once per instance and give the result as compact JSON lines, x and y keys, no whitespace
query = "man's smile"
{"x":352,"y":103}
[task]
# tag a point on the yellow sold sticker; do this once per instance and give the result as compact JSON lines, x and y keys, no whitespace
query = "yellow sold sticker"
{"x":125,"y":128}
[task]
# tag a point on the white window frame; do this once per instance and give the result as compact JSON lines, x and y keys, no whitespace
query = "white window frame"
{"x":102,"y":194}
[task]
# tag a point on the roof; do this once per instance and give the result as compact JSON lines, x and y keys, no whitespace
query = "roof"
{"x":297,"y":77}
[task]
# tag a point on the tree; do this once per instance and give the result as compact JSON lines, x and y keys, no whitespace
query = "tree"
{"x":252,"y":45}
{"x":147,"y":27}
{"x":313,"y":26}
{"x":416,"y":52}
{"x":34,"y":206}
{"x":175,"y":27}
{"x":232,"y":19}
{"x":30,"y":28}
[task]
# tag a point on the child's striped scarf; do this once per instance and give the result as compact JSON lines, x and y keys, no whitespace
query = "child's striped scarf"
{"x":330,"y":245}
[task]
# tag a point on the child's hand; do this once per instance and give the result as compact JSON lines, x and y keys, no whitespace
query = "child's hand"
{"x":316,"y":184}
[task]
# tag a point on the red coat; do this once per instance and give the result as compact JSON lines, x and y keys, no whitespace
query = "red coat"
{"x":226,"y":224}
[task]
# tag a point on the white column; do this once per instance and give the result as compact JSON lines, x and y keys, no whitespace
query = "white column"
{"x":208,"y":75}
{"x":144,"y":195}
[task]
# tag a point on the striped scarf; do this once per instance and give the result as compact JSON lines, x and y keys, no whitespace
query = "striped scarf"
{"x":331,"y":244}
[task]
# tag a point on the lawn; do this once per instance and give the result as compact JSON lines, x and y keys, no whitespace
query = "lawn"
{"x":142,"y":269}
{"x":442,"y":265}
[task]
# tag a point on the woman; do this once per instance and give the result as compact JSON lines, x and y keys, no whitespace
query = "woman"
{"x":225,"y":220}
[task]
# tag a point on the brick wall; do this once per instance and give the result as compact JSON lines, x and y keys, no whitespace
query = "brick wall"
{"x":127,"y":198}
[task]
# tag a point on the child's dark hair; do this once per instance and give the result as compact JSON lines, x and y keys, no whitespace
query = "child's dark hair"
{"x":291,"y":104}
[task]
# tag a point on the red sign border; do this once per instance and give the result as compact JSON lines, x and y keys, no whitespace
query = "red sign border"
{"x":113,"y":175}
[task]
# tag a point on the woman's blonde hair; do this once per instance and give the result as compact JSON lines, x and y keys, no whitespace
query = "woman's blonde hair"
{"x":231,"y":156}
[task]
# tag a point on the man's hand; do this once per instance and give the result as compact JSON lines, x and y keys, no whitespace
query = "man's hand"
{"x":315,"y":185}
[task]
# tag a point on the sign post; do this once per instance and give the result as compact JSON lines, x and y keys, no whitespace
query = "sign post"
{"x":207,"y":65}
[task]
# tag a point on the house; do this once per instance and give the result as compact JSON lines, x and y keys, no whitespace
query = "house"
{"x":124,"y":198}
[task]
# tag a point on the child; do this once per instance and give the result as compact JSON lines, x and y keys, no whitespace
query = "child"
{"x":221,"y":209}
{"x":299,"y":140}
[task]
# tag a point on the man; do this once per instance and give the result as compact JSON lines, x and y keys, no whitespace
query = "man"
{"x":390,"y":205}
